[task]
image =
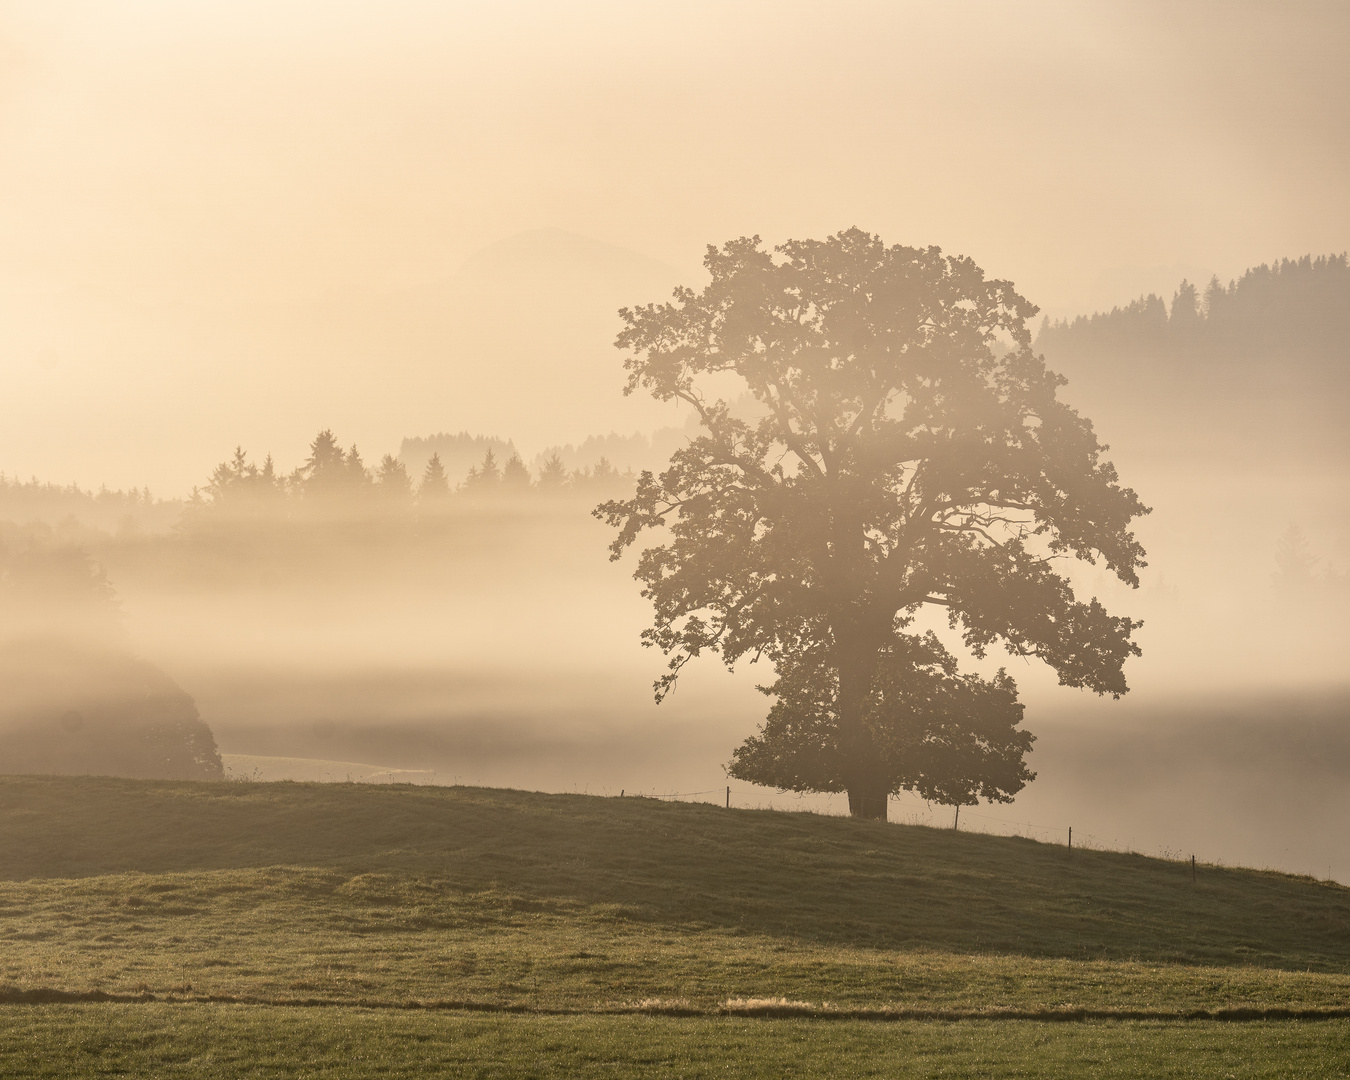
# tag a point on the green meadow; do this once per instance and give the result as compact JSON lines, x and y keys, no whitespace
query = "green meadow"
{"x":237,"y":929}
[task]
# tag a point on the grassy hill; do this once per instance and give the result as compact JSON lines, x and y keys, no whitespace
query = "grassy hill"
{"x":172,"y":928}
{"x":513,"y":899}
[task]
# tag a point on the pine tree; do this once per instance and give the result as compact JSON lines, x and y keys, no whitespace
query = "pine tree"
{"x":515,"y":476}
{"x":393,"y":483}
{"x":484,"y":478}
{"x":326,"y":471}
{"x":357,"y":475}
{"x":1186,"y":321}
{"x":238,"y":487}
{"x":435,"y":488}
{"x":553,"y":475}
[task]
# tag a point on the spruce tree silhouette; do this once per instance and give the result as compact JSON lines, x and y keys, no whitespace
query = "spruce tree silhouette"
{"x":237,"y":489}
{"x":515,"y":476}
{"x":434,"y":490}
{"x":358,"y":477}
{"x":325,"y":473}
{"x":484,"y":478}
{"x":553,"y":476}
{"x":393,"y":484}
{"x":893,"y":459}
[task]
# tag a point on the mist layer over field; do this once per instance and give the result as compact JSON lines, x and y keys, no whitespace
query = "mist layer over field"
{"x":493,"y":642}
{"x":248,"y":225}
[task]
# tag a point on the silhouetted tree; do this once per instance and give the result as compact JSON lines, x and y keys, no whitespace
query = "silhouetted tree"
{"x":238,"y":487}
{"x":326,"y":471}
{"x":358,"y":476}
{"x":331,"y":478}
{"x":515,"y":476}
{"x":435,"y":488}
{"x":1186,"y":320}
{"x":604,"y":473}
{"x":553,"y":474}
{"x":484,"y":478}
{"x":895,"y":461}
{"x":458,"y":452}
{"x":602,"y":478}
{"x":393,"y":483}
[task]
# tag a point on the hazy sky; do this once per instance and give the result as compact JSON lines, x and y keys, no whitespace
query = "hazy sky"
{"x":182,"y":183}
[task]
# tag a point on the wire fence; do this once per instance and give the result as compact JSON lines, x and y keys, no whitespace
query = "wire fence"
{"x":904,"y":809}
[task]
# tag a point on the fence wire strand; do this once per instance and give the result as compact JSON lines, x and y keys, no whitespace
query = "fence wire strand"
{"x":803,"y":796}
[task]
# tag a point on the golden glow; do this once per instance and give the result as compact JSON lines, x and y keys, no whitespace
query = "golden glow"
{"x":241,"y":222}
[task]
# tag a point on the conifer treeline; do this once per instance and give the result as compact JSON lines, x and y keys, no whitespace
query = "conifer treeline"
{"x":332,"y":478}
{"x":74,"y":507}
{"x":1252,"y":374}
{"x":1293,"y":307}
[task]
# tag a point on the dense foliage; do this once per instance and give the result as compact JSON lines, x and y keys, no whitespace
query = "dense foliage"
{"x":897,"y":456}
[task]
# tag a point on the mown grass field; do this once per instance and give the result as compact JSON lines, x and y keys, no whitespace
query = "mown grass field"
{"x":342,"y":1042}
{"x":507,"y":933}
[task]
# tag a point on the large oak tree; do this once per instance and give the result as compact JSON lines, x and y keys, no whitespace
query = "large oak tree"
{"x":896,"y":444}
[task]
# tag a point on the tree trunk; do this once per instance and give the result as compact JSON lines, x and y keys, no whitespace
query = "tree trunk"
{"x":868,"y":799}
{"x":868,"y":790}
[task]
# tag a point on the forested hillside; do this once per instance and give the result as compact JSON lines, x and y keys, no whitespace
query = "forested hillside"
{"x":1255,"y":371}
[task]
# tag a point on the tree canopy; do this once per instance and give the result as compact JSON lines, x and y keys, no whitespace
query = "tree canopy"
{"x":898,"y":445}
